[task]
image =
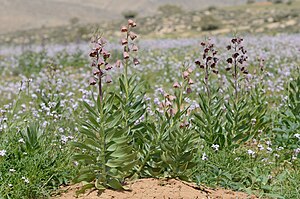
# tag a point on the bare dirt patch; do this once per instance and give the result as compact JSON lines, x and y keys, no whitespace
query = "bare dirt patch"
{"x":158,"y":189}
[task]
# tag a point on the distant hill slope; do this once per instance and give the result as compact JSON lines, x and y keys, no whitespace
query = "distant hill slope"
{"x":27,"y":14}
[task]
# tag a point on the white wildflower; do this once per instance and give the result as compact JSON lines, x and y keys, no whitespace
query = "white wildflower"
{"x":26,"y":180}
{"x":250,"y":152}
{"x":260,"y":147}
{"x":21,"y":140}
{"x":204,"y":157}
{"x":215,"y":147}
{"x":2,"y":152}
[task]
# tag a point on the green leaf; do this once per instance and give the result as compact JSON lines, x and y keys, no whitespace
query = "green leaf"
{"x":84,"y":157}
{"x":88,"y":177}
{"x":272,"y":195}
{"x":99,"y":185}
{"x":88,"y":132}
{"x":81,"y":146}
{"x":93,"y":142}
{"x":121,"y":151}
{"x":90,"y":109}
{"x":115,"y":184}
{"x":84,"y":188}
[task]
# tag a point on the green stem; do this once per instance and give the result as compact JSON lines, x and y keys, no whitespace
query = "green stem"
{"x":206,"y":79}
{"x":126,"y":80}
{"x":235,"y":76}
{"x":103,"y":144}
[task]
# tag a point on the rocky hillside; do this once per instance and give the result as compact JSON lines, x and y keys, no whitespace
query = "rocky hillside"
{"x":176,"y":22}
{"x":18,"y":15}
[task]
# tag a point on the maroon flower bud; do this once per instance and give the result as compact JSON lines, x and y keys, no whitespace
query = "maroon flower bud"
{"x":136,"y":61}
{"x":202,"y":66}
{"x":134,"y":48}
{"x":229,"y":60}
{"x":134,"y":24}
{"x":100,"y":62}
{"x":206,"y":50}
{"x":228,"y":47}
{"x":124,"y":29}
{"x":176,"y":85}
{"x":130,"y":22}
{"x":234,"y":40}
{"x":188,"y":90}
{"x":228,"y":68}
{"x":246,"y":72}
{"x":202,"y":44}
{"x":105,"y":54}
{"x":118,"y":63}
{"x":125,"y":55}
{"x":93,"y":53}
{"x":92,"y":81}
{"x":213,"y":65}
{"x":209,"y":58}
{"x":242,"y":68}
{"x":185,"y":74}
{"x":108,"y":67}
{"x":124,"y":41}
{"x":108,"y":79}
{"x":235,"y":55}
{"x":197,"y":62}
{"x":216,"y":60}
{"x":215,"y":71}
{"x":132,"y":35}
{"x":96,"y":71}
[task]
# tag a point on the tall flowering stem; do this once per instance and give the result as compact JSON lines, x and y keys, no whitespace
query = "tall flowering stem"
{"x":99,"y":64}
{"x":208,"y":62}
{"x":237,"y":61}
{"x":129,"y":47}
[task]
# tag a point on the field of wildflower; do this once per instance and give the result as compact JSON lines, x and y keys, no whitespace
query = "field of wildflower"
{"x":220,"y":112}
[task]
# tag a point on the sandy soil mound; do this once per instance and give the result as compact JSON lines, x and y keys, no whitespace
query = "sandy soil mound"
{"x":158,"y":189}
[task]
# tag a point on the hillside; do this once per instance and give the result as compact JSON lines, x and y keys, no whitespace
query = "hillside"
{"x":18,"y":15}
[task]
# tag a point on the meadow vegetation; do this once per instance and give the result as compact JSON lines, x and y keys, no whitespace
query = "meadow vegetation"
{"x":222,"y":112}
